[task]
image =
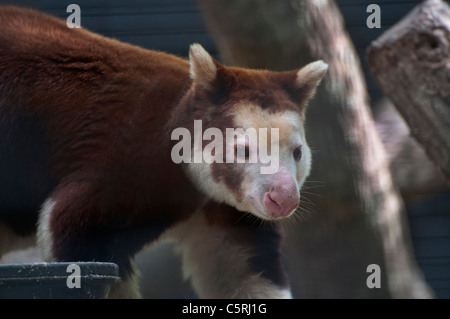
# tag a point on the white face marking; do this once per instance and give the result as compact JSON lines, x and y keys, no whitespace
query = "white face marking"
{"x":268,"y":196}
{"x":44,"y":235}
{"x":256,"y":185}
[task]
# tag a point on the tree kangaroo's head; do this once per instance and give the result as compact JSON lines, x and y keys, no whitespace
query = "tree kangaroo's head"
{"x":242,"y":135}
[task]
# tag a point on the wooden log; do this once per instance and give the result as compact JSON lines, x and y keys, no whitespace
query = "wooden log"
{"x":411,"y":63}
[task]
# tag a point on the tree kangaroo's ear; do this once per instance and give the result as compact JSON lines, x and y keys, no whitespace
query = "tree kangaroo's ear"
{"x":203,"y":68}
{"x":302,"y":84}
{"x":309,"y":77}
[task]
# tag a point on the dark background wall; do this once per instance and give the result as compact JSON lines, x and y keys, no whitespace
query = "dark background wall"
{"x":172,"y":25}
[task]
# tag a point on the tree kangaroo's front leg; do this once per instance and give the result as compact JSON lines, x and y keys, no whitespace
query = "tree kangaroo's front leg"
{"x":228,"y":254}
{"x":74,"y":226}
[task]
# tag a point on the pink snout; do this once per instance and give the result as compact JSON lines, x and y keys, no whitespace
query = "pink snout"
{"x":283,"y":196}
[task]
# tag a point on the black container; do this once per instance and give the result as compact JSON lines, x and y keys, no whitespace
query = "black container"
{"x":82,"y":280}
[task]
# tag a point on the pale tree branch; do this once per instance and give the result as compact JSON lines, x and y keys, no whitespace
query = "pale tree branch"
{"x":411,"y":63}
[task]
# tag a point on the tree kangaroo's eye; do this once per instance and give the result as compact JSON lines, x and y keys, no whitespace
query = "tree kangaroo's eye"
{"x":297,"y":153}
{"x":242,"y":151}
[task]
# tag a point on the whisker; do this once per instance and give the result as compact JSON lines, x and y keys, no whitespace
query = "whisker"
{"x":304,"y":208}
{"x":310,"y":187}
{"x":306,"y":194}
{"x":311,"y":181}
{"x":301,"y":214}
{"x":308,"y":207}
{"x":240,"y":218}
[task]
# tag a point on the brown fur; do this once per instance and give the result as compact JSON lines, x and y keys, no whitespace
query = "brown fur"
{"x":87,"y":122}
{"x":102,"y":118}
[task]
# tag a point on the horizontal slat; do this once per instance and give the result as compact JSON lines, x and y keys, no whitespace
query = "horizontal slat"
{"x":154,"y":23}
{"x":436,"y":268}
{"x":430,"y":226}
{"x":432,"y":247}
